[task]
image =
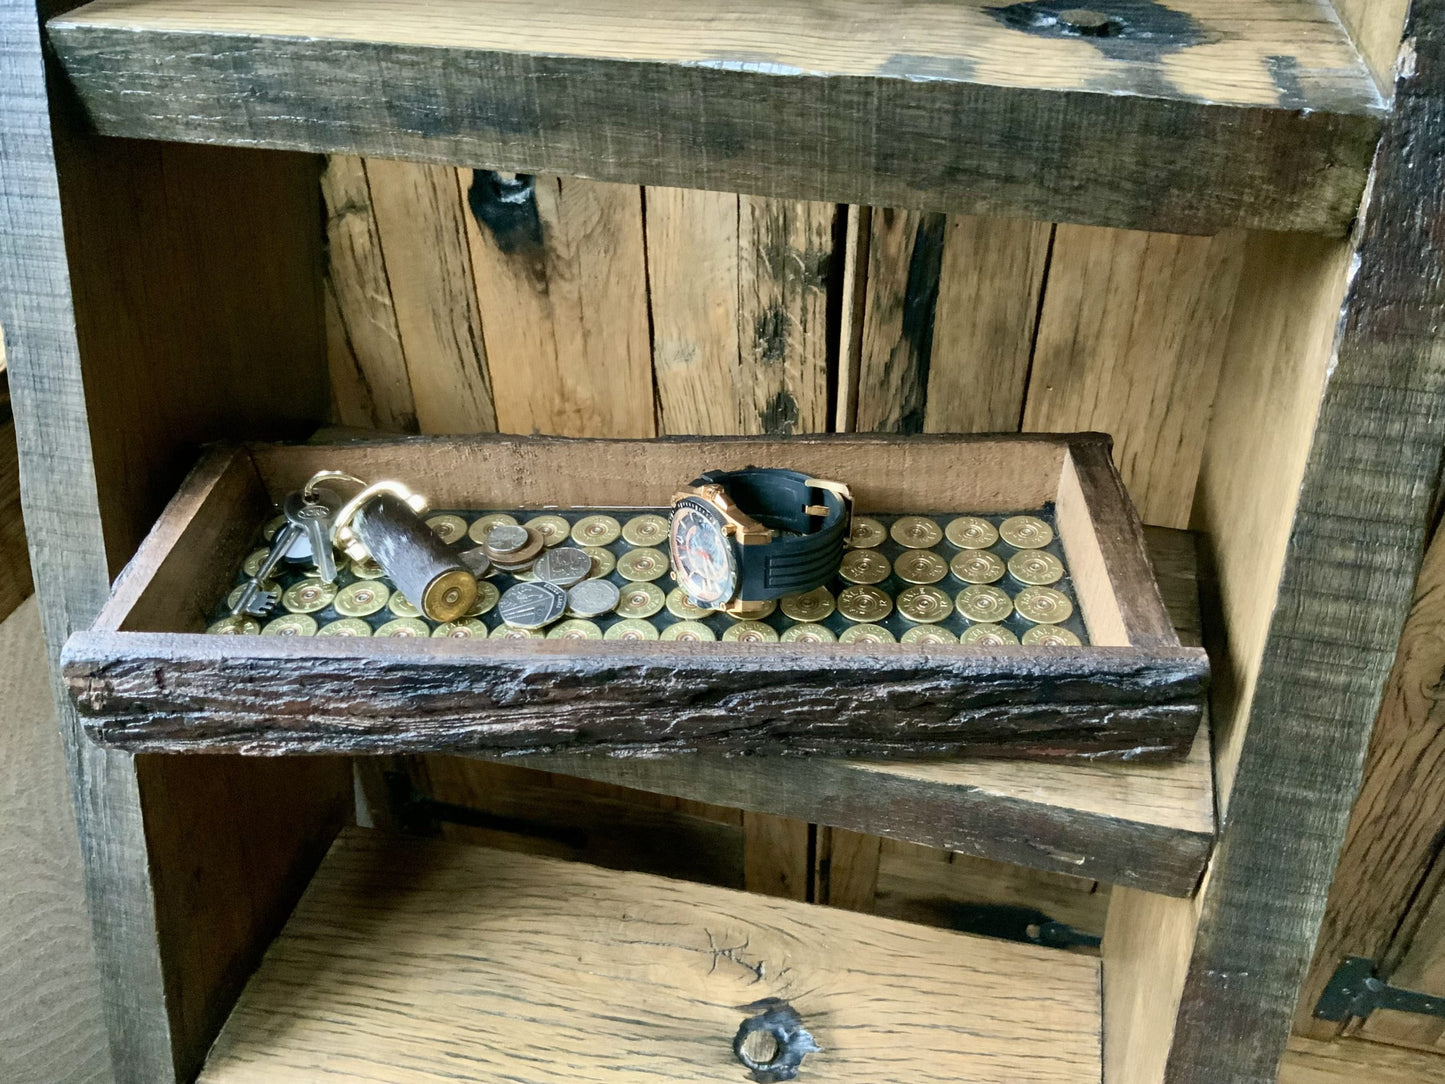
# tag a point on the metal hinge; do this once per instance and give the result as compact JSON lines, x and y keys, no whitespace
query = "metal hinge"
{"x":1355,"y":991}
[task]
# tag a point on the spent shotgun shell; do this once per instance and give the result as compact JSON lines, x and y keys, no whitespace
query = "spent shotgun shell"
{"x":1035,"y":567}
{"x":553,"y":528}
{"x":988,"y":635}
{"x":861,"y":602}
{"x":598,"y":530}
{"x":971,"y":532}
{"x":640,"y":600}
{"x":925,"y":604}
{"x":1026,"y":532}
{"x":864,"y":566}
{"x":866,"y":634}
{"x":750,"y":632}
{"x":808,"y":633}
{"x":977,"y":566}
{"x":983,"y":603}
{"x":916,"y":532}
{"x":631,"y":629}
{"x":647,"y":529}
{"x":809,"y":606}
{"x":1043,"y":605}
{"x":866,"y":533}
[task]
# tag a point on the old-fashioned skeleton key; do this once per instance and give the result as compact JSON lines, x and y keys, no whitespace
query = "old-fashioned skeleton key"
{"x":313,"y":519}
{"x":307,"y":527}
{"x":254,"y":600}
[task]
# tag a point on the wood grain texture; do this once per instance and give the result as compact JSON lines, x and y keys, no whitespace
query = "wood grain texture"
{"x":51,"y":1028}
{"x":596,"y":975}
{"x":368,"y":372}
{"x":943,"y":888}
{"x":1310,"y":1061}
{"x":740,"y":300}
{"x":1353,"y":552}
{"x":777,"y":856}
{"x":1415,"y":961}
{"x":422,"y":227}
{"x":1393,"y":836}
{"x":563,"y":307}
{"x":1218,"y":111}
{"x":986,"y":314}
{"x":1375,"y":27}
{"x":846,"y":868}
{"x":1130,"y":341}
{"x":905,"y":255}
{"x":16,"y":583}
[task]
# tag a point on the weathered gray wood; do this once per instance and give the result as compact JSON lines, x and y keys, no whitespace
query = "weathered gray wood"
{"x":942,"y":106}
{"x":1354,"y":551}
{"x":67,"y":548}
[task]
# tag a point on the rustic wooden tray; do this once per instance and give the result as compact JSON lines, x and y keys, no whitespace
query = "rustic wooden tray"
{"x":146,"y":678}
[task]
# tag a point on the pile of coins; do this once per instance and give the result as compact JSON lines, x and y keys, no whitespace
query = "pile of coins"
{"x":594,"y":575}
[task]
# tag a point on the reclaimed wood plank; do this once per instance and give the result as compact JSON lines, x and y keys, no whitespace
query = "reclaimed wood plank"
{"x":1350,"y":553}
{"x":1130,"y":342}
{"x":561,"y":292}
{"x":594,"y":975}
{"x":1255,"y":112}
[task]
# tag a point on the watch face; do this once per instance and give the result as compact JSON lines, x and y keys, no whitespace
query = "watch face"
{"x":702,"y":556}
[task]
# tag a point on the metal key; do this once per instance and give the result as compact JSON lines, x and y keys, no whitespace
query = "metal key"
{"x":254,"y":600}
{"x":308,"y":525}
{"x":313,"y":518}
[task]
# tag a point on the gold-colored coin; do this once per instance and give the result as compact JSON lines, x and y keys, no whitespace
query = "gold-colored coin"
{"x":1043,"y":605}
{"x":983,"y":603}
{"x":646,"y":530}
{"x":867,"y":532}
{"x":401,"y":606}
{"x":404,"y":627}
{"x":920,"y":566}
{"x":988,"y":635}
{"x":553,"y":528}
{"x":916,"y":532}
{"x":750,"y":632}
{"x":977,"y":566}
{"x":688,"y":632}
{"x":864,"y":566}
{"x":631,"y":629}
{"x":271,"y":587}
{"x":347,"y":626}
{"x":482,"y":527}
{"x":526,"y":575}
{"x":1026,"y":532}
{"x":368,"y":569}
{"x":642,"y":565}
{"x":808,"y":633}
{"x":928,"y":634}
{"x":640,"y":600}
{"x":863,"y":603}
{"x":1036,"y":567}
{"x":925,"y":604}
{"x":866,"y":634}
{"x":810,"y":606}
{"x":971,"y":532}
{"x":575,"y":628}
{"x":487,"y":595}
{"x":1050,"y":636}
{"x":254,"y":560}
{"x":603,"y":562}
{"x":236,"y":626}
{"x":291,"y":625}
{"x":272,"y":526}
{"x":507,"y":632}
{"x":309,"y":595}
{"x":682,"y":608}
{"x":464,"y":629}
{"x":448,"y":528}
{"x":361,"y":599}
{"x":596,"y":531}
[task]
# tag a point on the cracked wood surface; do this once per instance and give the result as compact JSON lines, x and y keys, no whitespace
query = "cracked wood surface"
{"x":414,"y":963}
{"x":1257,"y":112}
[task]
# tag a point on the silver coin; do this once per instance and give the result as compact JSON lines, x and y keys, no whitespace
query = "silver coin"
{"x":477,"y":561}
{"x":507,"y":538}
{"x":591,"y":598}
{"x":532,"y":605}
{"x":563,"y":566}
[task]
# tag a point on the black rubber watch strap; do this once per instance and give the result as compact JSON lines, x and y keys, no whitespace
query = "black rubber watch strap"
{"x":807,"y":550}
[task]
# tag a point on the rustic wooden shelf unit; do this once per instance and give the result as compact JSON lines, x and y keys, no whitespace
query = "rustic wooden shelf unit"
{"x":170,"y":277}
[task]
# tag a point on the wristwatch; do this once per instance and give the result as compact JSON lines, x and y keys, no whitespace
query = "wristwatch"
{"x":742,"y":538}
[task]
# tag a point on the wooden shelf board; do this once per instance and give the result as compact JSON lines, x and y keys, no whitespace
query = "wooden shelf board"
{"x":1148,"y":826}
{"x":1199,"y":115}
{"x":429,"y":962}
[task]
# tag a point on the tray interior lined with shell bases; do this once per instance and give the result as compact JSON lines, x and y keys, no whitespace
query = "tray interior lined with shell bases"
{"x":147,"y":676}
{"x":980,"y":580}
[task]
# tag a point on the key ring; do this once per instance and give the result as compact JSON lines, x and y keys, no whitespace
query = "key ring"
{"x":343,"y":536}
